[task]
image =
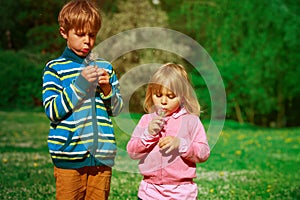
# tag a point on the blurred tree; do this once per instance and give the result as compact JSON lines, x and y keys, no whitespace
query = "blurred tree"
{"x":19,"y":16}
{"x":20,"y":80}
{"x":254,"y":44}
{"x":130,"y":15}
{"x":33,"y":24}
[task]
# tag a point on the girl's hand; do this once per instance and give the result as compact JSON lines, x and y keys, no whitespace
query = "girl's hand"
{"x":90,"y":73}
{"x":156,"y":125}
{"x":103,"y":81}
{"x":169,"y":142}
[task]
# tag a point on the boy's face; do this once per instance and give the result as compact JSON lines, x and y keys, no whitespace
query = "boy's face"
{"x":81,"y":42}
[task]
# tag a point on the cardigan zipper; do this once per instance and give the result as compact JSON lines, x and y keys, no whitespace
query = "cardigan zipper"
{"x":95,"y":127}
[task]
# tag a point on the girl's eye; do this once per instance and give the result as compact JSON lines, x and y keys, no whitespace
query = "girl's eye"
{"x":158,"y":94}
{"x":171,"y":96}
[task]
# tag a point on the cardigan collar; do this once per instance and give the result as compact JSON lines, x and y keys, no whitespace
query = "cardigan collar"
{"x":70,"y":55}
{"x":178,"y":113}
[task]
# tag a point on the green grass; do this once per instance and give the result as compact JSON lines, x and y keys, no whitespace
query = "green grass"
{"x":246,"y":163}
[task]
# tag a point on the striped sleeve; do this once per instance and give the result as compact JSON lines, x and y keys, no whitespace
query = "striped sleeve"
{"x":113,"y":102}
{"x":58,"y":101}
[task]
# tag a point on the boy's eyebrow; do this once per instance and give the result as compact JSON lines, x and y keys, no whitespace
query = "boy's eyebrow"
{"x":80,"y":31}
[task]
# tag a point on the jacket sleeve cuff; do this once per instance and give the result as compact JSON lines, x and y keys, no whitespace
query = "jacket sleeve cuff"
{"x":82,"y":84}
{"x":183,"y":147}
{"x":148,"y":139}
{"x":105,"y":97}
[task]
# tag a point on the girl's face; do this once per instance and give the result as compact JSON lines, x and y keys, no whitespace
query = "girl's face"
{"x":79,"y":42}
{"x":166,"y":100}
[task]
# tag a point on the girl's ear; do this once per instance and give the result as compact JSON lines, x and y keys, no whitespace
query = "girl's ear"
{"x":63,"y":33}
{"x":182,"y":102}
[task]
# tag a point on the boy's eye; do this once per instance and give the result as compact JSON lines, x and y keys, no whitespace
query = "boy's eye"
{"x":92,"y":35}
{"x":80,"y":34}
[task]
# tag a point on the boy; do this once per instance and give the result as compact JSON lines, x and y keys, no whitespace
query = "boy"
{"x":80,"y":93}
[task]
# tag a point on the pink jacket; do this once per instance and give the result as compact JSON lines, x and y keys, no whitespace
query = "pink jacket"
{"x":179,"y":166}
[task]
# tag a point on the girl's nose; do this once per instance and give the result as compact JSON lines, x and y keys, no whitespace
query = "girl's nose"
{"x":164,"y":100}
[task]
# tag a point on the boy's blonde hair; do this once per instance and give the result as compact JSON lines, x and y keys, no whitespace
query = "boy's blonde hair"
{"x":173,"y":77}
{"x":82,"y":15}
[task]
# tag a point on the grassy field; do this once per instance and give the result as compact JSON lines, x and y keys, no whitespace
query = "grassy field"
{"x":246,"y":163}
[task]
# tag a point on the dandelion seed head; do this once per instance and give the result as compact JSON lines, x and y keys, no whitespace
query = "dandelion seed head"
{"x":92,"y":57}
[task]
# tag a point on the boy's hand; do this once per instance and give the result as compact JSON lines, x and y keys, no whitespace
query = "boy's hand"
{"x":156,"y":125}
{"x":103,"y":81}
{"x":169,"y":142}
{"x":90,"y":73}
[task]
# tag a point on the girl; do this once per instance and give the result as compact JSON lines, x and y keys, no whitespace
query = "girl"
{"x":170,"y":139}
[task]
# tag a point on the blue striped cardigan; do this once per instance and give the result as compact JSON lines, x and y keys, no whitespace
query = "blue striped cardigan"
{"x":81,"y":131}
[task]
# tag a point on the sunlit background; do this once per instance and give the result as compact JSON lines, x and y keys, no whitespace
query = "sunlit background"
{"x":255,"y":46}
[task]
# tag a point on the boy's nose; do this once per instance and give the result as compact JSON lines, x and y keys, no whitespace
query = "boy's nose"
{"x":87,"y":39}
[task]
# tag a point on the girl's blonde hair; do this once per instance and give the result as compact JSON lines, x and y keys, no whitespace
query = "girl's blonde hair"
{"x":173,"y":77}
{"x":82,"y":15}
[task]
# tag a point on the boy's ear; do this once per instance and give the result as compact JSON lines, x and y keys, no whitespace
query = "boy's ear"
{"x":63,"y":33}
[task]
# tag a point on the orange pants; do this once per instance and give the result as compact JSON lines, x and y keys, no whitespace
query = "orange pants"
{"x":85,"y":183}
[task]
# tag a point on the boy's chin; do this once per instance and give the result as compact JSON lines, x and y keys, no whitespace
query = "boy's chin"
{"x":82,"y":54}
